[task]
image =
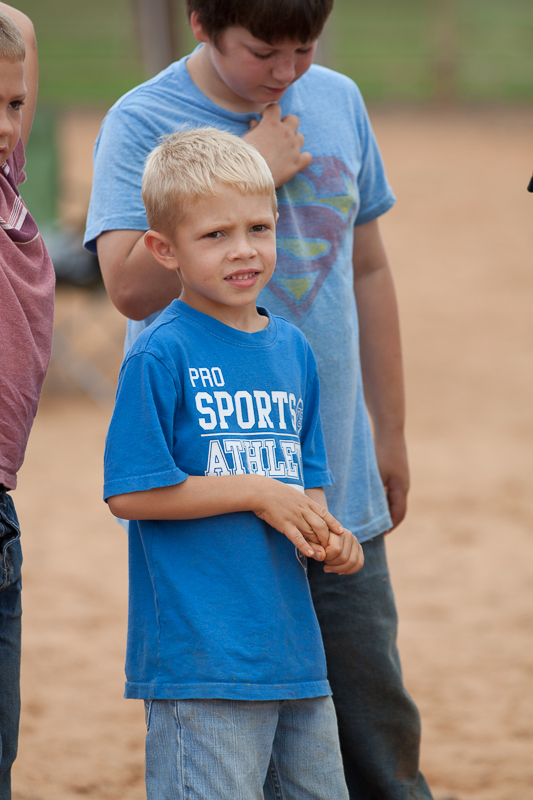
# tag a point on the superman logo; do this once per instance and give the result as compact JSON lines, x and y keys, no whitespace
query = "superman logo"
{"x":315,"y":208}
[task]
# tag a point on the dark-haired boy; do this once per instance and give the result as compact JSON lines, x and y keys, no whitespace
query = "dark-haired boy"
{"x":253,"y":76}
{"x":27,"y":293}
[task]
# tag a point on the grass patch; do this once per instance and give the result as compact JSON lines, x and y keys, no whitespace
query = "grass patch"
{"x":41,"y":189}
{"x":88,"y":51}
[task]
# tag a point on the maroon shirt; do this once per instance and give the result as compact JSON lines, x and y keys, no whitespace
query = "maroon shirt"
{"x":26,"y":316}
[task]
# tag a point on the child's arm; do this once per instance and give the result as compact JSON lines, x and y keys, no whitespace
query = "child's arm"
{"x":31,"y":67}
{"x":291,"y":512}
{"x":343,"y":553}
{"x":381,"y":362}
{"x":136,"y":284}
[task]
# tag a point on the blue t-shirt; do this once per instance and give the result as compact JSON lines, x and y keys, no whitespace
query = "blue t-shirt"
{"x":219,"y":607}
{"x":312,"y":286}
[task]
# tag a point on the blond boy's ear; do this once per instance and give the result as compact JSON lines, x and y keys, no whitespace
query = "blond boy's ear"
{"x":161,"y":249}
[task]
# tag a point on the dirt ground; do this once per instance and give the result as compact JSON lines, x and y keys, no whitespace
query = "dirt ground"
{"x":460,"y":242}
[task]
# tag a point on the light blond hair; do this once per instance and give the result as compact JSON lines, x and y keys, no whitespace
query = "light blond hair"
{"x":194,"y":163}
{"x":11,"y":41}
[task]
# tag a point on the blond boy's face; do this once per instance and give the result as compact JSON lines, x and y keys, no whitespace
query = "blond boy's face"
{"x":12,"y":95}
{"x":224,"y":250}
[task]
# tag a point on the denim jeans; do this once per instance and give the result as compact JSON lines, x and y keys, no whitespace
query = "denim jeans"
{"x":379,"y":725}
{"x":227,"y":750}
{"x":10,"y":614}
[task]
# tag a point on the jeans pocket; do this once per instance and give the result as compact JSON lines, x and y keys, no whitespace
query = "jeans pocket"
{"x":147,"y":713}
{"x":10,"y":560}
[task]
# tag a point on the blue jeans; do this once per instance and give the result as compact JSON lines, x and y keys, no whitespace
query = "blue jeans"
{"x":10,"y":614}
{"x":229,"y":749}
{"x":379,"y":725}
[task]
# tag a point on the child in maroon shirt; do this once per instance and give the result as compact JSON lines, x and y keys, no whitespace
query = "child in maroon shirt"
{"x":26,"y":297}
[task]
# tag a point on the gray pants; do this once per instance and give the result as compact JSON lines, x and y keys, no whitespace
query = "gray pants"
{"x":379,"y":725}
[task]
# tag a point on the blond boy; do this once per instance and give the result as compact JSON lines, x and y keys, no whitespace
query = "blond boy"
{"x":215,"y":452}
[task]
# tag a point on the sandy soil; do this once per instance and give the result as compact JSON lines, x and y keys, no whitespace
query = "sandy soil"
{"x":462,"y":564}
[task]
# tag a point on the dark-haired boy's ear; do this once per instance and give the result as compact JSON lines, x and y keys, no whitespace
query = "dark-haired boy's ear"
{"x":198,"y":29}
{"x":161,"y":249}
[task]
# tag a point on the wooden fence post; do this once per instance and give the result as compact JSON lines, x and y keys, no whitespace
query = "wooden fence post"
{"x":156,"y":26}
{"x":446,"y":52}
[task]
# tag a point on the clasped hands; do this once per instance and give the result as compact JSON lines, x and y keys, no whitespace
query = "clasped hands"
{"x":310,"y":527}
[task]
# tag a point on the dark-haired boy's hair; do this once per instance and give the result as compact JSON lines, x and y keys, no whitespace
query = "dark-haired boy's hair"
{"x":268,"y":20}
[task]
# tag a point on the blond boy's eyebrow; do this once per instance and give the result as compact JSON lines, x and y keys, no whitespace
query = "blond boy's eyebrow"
{"x":20,"y":96}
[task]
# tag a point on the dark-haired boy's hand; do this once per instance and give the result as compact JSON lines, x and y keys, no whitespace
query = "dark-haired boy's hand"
{"x":391,"y":456}
{"x":344,"y":554}
{"x":279,"y":142}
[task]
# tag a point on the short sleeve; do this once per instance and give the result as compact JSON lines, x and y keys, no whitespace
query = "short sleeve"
{"x":314,"y":461}
{"x":120,"y":152}
{"x":140,"y":441}
{"x":376,"y":196}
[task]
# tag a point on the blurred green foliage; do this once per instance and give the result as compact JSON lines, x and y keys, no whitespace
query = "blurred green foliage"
{"x":496,"y":55}
{"x":403,"y":50}
{"x":41,"y":188}
{"x":383,"y":45}
{"x":88,"y":49}
{"x":400,"y":50}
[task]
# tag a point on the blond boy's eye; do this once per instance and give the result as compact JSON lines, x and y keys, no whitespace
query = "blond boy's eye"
{"x":213,"y":235}
{"x":259,"y":228}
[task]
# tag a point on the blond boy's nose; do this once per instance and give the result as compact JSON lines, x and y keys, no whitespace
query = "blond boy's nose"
{"x":242,"y":250}
{"x":6,"y":126}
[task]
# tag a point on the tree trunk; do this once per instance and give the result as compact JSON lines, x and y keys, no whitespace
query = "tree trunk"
{"x":157,"y":34}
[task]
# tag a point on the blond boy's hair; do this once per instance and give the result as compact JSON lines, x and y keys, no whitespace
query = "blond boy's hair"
{"x":11,"y":41}
{"x":194,"y":163}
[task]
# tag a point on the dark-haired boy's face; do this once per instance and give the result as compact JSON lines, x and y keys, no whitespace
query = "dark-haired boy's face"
{"x":255,"y":71}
